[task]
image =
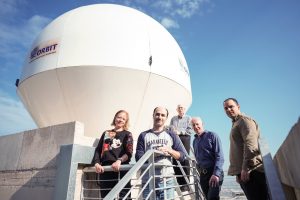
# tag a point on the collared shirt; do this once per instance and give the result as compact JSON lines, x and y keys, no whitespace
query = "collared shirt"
{"x":182,"y":124}
{"x":208,"y":151}
{"x":244,"y":151}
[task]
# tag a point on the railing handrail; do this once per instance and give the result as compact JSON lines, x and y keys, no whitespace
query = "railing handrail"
{"x":133,"y":169}
{"x":136,"y":167}
{"x":125,"y":167}
{"x":108,"y":168}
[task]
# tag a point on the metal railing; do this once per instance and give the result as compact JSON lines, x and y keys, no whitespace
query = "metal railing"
{"x":143,"y":177}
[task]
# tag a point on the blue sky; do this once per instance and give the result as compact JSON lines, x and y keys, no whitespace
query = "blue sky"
{"x":234,"y":48}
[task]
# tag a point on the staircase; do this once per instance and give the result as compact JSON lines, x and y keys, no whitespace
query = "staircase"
{"x":144,"y":167}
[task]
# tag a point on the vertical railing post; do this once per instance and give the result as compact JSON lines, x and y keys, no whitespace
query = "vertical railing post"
{"x":119,"y":178}
{"x":165,"y":185}
{"x":82,"y":186}
{"x":196,"y":180}
{"x":152,"y":174}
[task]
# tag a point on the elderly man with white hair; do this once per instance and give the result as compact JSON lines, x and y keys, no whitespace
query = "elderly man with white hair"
{"x":181,"y":125}
{"x":209,"y":155}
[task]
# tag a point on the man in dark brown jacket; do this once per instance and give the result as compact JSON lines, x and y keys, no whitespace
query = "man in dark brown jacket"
{"x":245,"y":157}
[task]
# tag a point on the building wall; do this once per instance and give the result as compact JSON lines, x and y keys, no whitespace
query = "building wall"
{"x":29,"y":160}
{"x":287,"y":161}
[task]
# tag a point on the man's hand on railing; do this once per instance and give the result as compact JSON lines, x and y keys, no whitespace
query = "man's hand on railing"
{"x":164,"y":150}
{"x":99,"y":168}
{"x":169,"y":152}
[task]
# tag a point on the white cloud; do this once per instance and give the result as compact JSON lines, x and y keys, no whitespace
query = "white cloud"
{"x":17,"y":34}
{"x":188,"y":8}
{"x":169,"y":23}
{"x":168,"y":10}
{"x":15,"y":38}
{"x":181,"y":8}
{"x":165,"y":5}
{"x":32,"y":27}
{"x":161,"y":9}
{"x":13,"y":116}
{"x":9,"y":7}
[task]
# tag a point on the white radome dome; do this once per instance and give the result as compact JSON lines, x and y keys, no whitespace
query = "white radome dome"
{"x":95,"y":60}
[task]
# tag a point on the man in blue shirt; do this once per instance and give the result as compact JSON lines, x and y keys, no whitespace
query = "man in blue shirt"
{"x":210,"y":159}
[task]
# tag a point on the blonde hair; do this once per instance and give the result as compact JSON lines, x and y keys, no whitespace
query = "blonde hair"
{"x":126,"y":126}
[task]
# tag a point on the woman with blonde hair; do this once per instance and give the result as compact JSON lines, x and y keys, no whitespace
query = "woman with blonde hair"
{"x":115,"y":147}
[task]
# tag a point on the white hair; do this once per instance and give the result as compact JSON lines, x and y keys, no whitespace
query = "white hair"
{"x":197,"y":118}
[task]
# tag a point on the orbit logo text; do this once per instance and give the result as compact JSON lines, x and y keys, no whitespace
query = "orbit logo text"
{"x":43,"y":50}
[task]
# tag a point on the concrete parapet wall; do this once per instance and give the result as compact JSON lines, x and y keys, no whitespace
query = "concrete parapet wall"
{"x":29,"y":184}
{"x":287,"y":161}
{"x":28,"y":164}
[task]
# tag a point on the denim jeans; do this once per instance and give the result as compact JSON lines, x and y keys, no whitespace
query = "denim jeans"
{"x":160,"y":194}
